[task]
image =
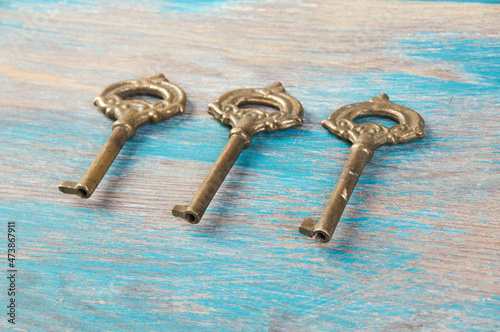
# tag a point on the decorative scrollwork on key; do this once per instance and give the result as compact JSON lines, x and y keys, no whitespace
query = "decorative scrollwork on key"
{"x":250,"y":121}
{"x":133,"y":113}
{"x":410,"y":124}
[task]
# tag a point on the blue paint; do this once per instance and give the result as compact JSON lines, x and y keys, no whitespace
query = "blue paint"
{"x":46,"y":7}
{"x":464,"y":1}
{"x":88,"y":266}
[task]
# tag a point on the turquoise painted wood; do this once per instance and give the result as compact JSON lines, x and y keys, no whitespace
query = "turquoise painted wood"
{"x":416,"y":249}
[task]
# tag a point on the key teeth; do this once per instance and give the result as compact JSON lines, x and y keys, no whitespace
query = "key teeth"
{"x":67,"y":187}
{"x":307,"y":227}
{"x":73,"y":188}
{"x":178,"y":211}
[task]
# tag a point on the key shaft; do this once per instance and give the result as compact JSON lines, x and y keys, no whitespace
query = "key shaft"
{"x":89,"y":182}
{"x":325,"y":227}
{"x":201,"y":200}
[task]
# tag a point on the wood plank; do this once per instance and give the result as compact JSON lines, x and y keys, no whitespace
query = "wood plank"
{"x":417,"y":247}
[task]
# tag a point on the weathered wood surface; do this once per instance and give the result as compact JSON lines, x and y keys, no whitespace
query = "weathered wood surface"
{"x":417,"y":248}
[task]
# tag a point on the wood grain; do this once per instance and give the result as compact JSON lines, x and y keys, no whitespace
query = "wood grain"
{"x":416,"y":249}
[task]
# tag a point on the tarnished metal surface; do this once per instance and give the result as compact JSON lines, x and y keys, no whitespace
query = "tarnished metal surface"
{"x":246,"y":122}
{"x":366,"y":138}
{"x":129,"y":114}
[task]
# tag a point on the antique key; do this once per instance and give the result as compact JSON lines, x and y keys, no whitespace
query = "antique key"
{"x":366,"y":138}
{"x":246,"y":122}
{"x":115,"y":101}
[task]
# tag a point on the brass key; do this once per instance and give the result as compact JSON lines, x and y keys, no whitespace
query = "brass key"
{"x":366,"y":138}
{"x":115,"y":101}
{"x":246,"y":122}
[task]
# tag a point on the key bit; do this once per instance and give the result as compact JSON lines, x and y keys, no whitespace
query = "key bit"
{"x":366,"y":138}
{"x":246,"y":122}
{"x":117,"y":102}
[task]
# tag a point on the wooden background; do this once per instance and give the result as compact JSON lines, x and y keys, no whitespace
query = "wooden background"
{"x":416,"y":249}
